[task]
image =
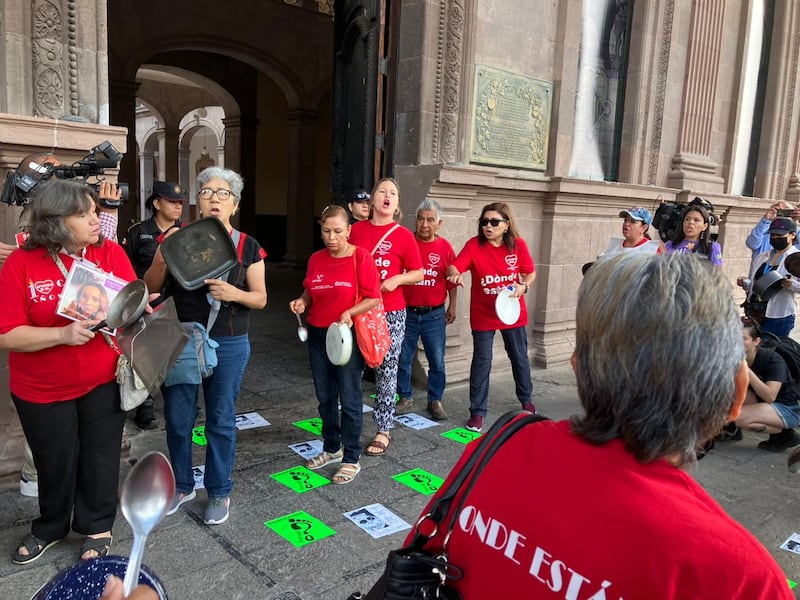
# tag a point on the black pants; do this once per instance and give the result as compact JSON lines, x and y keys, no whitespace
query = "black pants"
{"x":76,"y":448}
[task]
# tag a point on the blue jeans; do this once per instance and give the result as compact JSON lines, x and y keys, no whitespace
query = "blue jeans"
{"x":431,"y":327}
{"x":516,"y":344}
{"x":220,"y":392}
{"x":333,"y":385}
{"x":781,"y":327}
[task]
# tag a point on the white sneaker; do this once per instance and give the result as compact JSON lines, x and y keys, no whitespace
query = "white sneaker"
{"x":28,"y":488}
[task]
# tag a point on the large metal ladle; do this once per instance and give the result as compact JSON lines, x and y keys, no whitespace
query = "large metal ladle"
{"x":145,"y":498}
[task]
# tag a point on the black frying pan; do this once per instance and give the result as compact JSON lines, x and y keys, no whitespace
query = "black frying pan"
{"x":127,"y":307}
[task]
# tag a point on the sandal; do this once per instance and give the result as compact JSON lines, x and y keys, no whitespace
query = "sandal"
{"x":101,"y":546}
{"x":346,"y":473}
{"x":324,"y":458}
{"x":35,"y":548}
{"x":376,"y":446}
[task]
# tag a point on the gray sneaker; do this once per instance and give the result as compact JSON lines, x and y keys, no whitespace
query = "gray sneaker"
{"x":217,"y":511}
{"x":180,"y":499}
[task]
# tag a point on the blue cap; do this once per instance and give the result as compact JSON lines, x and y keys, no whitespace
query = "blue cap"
{"x":638,"y":213}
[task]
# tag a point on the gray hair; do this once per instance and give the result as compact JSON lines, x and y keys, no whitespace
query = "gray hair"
{"x":430,"y":204}
{"x":54,"y":201}
{"x":232,"y":178}
{"x":657,"y":349}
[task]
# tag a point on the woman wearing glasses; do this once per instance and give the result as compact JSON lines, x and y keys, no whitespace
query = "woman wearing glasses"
{"x":499,"y":261}
{"x":243,"y":289}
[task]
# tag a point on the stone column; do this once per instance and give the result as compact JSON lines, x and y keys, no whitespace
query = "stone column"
{"x":168,"y":153}
{"x":145,"y":182}
{"x":782,"y":150}
{"x":300,"y":193}
{"x":123,"y":113}
{"x":693,"y":167}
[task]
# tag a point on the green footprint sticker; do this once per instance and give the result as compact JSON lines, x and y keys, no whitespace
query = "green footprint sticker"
{"x":199,"y":435}
{"x":300,"y":479}
{"x":313,"y":426}
{"x":300,"y":528}
{"x":420,"y":481}
{"x":461,"y":435}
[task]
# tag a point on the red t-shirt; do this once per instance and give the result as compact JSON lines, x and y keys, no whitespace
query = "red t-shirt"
{"x":436,"y":256}
{"x":397,"y":254}
{"x":30,"y":286}
{"x":331,"y":283}
{"x":554,"y":517}
{"x":493,"y":268}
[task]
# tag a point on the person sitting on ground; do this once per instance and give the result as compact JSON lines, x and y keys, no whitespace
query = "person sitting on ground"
{"x":618,"y":475}
{"x":772,"y":404}
{"x":426,"y":317}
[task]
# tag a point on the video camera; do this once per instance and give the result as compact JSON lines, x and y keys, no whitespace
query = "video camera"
{"x":19,"y":184}
{"x":669,"y":217}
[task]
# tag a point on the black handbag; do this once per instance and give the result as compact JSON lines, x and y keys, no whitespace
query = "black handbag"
{"x":413,"y":573}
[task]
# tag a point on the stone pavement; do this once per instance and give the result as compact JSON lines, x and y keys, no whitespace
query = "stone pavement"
{"x":243,"y":559}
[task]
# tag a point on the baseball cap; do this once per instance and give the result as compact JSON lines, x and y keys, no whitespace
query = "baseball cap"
{"x":166,"y":190}
{"x":783,"y":225}
{"x":638,"y":213}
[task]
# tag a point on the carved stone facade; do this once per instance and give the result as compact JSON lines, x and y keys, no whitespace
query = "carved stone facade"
{"x":269,"y":68}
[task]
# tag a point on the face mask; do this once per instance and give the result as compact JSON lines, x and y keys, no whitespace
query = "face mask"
{"x":779,"y":243}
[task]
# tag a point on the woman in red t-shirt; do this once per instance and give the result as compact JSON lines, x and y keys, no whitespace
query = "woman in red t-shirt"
{"x":498,"y":260}
{"x":335,"y":278}
{"x":62,"y":374}
{"x":396,"y":255}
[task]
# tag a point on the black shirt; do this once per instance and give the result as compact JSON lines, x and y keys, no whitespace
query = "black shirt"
{"x":770,"y":366}
{"x":141,"y":243}
{"x":194,"y":305}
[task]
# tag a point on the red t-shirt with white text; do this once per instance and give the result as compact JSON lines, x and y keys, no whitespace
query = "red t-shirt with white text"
{"x":397,"y":254}
{"x":331,"y":284}
{"x":493,"y":268}
{"x":553,"y":517}
{"x":30,"y":287}
{"x":436,"y":256}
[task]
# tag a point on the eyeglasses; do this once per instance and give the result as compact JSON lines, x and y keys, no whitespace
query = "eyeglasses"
{"x":222,"y":193}
{"x":492,"y":222}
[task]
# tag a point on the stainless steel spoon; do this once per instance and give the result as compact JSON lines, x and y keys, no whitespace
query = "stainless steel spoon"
{"x":302,"y":332}
{"x":145,"y":498}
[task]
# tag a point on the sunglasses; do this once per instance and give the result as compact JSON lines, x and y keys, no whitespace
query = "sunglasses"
{"x":492,"y":222}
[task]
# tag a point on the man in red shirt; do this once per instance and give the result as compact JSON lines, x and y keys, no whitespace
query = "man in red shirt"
{"x":426,"y":317}
{"x":601,"y":505}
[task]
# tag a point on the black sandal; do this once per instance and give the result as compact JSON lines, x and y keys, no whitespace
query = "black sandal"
{"x":35,"y":548}
{"x":100,"y":545}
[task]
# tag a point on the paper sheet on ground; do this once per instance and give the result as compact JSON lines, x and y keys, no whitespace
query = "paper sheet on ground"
{"x":300,"y":528}
{"x":310,"y":425}
{"x":377,"y":520}
{"x":307,"y":449}
{"x":300,"y":479}
{"x":420,"y":481}
{"x":792,"y":544}
{"x":198,"y":473}
{"x":415,"y":421}
{"x":461,"y":435}
{"x":250,"y":420}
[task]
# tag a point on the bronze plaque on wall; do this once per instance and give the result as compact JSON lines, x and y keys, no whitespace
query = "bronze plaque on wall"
{"x":511,"y":119}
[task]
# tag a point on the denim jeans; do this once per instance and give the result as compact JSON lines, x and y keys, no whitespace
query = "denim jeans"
{"x":334,"y":385}
{"x":220,"y":392}
{"x":516,"y":344}
{"x":431,"y":328}
{"x":781,"y":326}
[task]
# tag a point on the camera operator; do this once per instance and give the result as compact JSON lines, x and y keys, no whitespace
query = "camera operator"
{"x":109,"y":195}
{"x":758,"y":240}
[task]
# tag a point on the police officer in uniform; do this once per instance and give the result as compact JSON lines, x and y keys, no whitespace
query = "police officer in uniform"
{"x":141,"y":242}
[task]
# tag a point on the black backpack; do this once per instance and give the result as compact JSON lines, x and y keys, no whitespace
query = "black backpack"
{"x":789,"y":351}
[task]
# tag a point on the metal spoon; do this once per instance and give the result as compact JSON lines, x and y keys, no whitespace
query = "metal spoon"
{"x":146,"y":495}
{"x":302,"y":332}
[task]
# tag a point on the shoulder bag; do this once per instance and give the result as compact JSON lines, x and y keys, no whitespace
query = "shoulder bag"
{"x":414,"y":572}
{"x":372,"y":331}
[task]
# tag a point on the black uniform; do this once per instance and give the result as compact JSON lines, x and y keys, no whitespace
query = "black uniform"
{"x":141,"y":243}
